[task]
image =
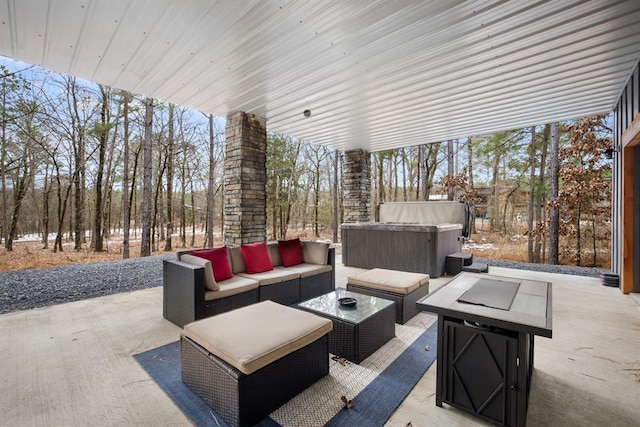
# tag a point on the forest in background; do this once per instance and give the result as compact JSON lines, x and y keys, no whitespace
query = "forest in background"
{"x":85,"y":163}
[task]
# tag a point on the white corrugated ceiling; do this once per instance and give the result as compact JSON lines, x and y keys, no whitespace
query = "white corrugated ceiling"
{"x":375,"y":74}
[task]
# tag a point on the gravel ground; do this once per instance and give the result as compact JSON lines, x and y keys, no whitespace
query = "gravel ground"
{"x":41,"y":287}
{"x":560,"y":269}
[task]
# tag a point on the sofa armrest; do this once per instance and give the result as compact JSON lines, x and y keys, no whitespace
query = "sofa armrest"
{"x":183,"y":292}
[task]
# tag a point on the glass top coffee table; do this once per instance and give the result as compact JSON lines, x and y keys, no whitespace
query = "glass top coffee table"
{"x":358,"y":331}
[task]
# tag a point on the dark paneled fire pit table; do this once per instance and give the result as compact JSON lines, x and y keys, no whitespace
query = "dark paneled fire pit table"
{"x":486,"y":326}
{"x":358,"y":330}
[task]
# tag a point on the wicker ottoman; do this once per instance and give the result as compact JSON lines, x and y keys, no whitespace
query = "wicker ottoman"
{"x":401,"y":287}
{"x":236,"y":363}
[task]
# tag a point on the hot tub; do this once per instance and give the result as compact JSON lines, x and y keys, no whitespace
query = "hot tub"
{"x":414,"y":247}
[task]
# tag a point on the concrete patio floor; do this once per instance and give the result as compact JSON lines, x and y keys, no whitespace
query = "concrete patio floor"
{"x":72,"y":364}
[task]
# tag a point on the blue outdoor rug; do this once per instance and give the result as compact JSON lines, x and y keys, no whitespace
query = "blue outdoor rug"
{"x":377,"y":386}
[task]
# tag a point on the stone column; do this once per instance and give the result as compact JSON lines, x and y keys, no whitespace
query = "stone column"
{"x":245,"y":179}
{"x":356,"y":182}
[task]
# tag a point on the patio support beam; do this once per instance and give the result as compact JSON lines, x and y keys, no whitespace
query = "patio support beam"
{"x":626,"y":211}
{"x":630,"y":216}
{"x":356,"y":182}
{"x":245,"y":178}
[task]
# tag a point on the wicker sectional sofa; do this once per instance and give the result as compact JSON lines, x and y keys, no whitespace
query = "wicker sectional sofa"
{"x":188,"y":294}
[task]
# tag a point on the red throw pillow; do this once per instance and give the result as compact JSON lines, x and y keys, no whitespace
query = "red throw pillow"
{"x":219,"y":262}
{"x":290,"y":252}
{"x":256,"y":258}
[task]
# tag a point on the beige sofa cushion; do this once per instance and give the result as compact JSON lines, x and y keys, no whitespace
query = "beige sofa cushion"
{"x":308,"y":270}
{"x":274,"y":254}
{"x":233,"y":286}
{"x":209,"y":280}
{"x":254,"y":336}
{"x":315,"y":252}
{"x":237,"y":262}
{"x":271,"y":277}
{"x":399,"y":282}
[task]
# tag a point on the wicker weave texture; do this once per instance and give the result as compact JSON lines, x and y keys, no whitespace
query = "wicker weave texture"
{"x":244,"y":400}
{"x":314,"y":286}
{"x":357,"y":341}
{"x":231,"y":302}
{"x":285,"y":293}
{"x":405,"y":304}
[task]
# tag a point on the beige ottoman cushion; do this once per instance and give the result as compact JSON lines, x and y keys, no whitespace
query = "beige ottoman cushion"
{"x":254,"y":336}
{"x":399,"y":282}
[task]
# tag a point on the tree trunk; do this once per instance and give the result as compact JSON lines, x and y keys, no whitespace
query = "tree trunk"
{"x":183,"y":200}
{"x":532,"y":175}
{"x":19,"y":192}
{"x":470,"y":172}
{"x":170,"y":150}
{"x":275,"y":211}
{"x":290,"y":193}
{"x":78,"y":182}
{"x":3,"y":172}
{"x":420,"y":187}
{"x":593,"y":240}
{"x":578,"y":236}
{"x":431,"y":166}
{"x":126,"y":206}
{"x":539,"y":193}
{"x":393,"y":176}
{"x":157,"y":202}
{"x":450,"y":189}
{"x":193,"y":214}
{"x":381,"y":190}
{"x":336,"y":160}
{"x":554,"y":213}
{"x":103,"y":136}
{"x":211,"y":184}
{"x":495,"y":202}
{"x":316,"y":201}
{"x":145,"y":244}
{"x":46,"y":200}
{"x":404,"y":175}
{"x":107,"y":202}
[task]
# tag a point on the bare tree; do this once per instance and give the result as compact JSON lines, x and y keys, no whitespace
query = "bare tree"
{"x":126,"y":206}
{"x":431,"y":163}
{"x":170,"y":151}
{"x":470,"y":143}
{"x":554,"y":211}
{"x":101,"y":130}
{"x":450,"y":189}
{"x":23,"y":170}
{"x":212,"y":182}
{"x":79,"y":119}
{"x":532,"y":175}
{"x":145,"y":245}
{"x":404,"y":174}
{"x":421,"y":189}
{"x":336,"y":167}
{"x":540,"y":197}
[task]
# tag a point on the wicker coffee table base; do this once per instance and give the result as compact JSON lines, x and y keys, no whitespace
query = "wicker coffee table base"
{"x":356,"y":342}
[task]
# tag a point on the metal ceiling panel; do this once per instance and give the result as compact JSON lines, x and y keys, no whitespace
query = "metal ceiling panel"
{"x":375,"y":74}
